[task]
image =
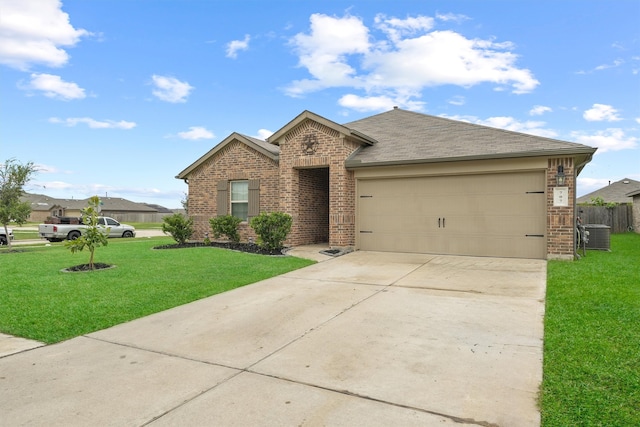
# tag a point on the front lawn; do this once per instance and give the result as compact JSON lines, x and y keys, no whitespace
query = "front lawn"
{"x":39,"y":302}
{"x":592,"y":338}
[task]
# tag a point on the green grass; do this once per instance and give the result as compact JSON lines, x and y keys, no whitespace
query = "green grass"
{"x":25,"y":234}
{"x":592,"y":338}
{"x":39,"y":302}
{"x":21,"y":234}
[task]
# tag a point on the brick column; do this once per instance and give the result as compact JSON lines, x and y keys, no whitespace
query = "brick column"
{"x":561,"y":219}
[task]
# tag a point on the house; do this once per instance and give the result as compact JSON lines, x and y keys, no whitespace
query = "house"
{"x":615,"y":192}
{"x":121,"y":209}
{"x":635,"y":196}
{"x":398,"y":181}
{"x":41,"y":207}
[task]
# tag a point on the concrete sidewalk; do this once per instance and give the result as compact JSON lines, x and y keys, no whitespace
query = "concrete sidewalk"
{"x":367,"y":338}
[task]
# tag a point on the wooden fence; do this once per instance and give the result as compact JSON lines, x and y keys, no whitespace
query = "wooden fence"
{"x":619,"y":218}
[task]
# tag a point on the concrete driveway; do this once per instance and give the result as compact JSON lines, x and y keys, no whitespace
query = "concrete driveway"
{"x":368,"y":338}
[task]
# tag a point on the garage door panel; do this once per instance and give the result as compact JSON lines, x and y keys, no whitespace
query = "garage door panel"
{"x":486,"y":215}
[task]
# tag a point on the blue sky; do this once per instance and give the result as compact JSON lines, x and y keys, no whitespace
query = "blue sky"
{"x":116,"y":98}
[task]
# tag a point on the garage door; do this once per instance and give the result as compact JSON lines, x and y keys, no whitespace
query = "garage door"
{"x":502,"y":215}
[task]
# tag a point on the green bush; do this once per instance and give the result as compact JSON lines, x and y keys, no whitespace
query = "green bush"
{"x":271,"y":228}
{"x":226,"y":225}
{"x":178,"y":226}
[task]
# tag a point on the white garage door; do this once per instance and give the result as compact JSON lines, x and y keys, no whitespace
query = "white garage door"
{"x":502,"y":215}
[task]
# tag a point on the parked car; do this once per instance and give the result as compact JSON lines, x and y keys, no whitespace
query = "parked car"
{"x":3,"y":236}
{"x":72,"y":228}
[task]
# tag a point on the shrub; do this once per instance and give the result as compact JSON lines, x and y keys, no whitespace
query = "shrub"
{"x":226,"y":225}
{"x":271,"y":228}
{"x":178,"y":226}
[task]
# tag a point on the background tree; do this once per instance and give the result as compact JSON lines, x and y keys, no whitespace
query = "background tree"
{"x":13,"y":177}
{"x":93,"y":236}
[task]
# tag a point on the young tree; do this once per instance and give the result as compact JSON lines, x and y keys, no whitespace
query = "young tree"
{"x":13,"y":177}
{"x":93,"y":237}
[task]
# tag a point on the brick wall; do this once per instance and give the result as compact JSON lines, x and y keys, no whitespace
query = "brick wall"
{"x":561,"y":219}
{"x":235,"y":161}
{"x":313,"y":213}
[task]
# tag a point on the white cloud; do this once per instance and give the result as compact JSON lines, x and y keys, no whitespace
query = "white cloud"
{"x":613,"y":139}
{"x":457,"y":100}
{"x":93,"y":124}
{"x":509,"y":123}
{"x":396,"y":28}
{"x":54,"y":87}
{"x":263,"y":134}
{"x":379,"y":103}
{"x":236,"y":45}
{"x":615,"y":64}
{"x":539,"y":110}
{"x":452,"y":17}
{"x":196,"y":132}
{"x":365,"y":104}
{"x":528,"y":127}
{"x":171,"y":89}
{"x":35,"y":32}
{"x":407,"y":57}
{"x":601,"y":112}
{"x":323,"y":52}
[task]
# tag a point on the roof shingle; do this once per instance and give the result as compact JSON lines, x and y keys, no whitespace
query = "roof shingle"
{"x":409,"y":137}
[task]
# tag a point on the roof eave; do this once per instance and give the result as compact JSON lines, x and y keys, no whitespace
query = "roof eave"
{"x":234,"y":136}
{"x":355,"y":164}
{"x":308,"y":115}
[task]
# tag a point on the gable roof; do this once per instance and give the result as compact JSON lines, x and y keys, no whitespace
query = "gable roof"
{"x":616,"y":192}
{"x":269,"y":150}
{"x":354,"y":133}
{"x":408,"y":137}
{"x":120,"y":204}
{"x":40,"y":202}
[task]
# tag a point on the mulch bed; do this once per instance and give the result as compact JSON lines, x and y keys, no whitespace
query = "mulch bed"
{"x":87,"y":267}
{"x":251,"y":248}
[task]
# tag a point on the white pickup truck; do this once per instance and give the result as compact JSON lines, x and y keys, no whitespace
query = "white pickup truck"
{"x":3,"y":237}
{"x":67,"y":230}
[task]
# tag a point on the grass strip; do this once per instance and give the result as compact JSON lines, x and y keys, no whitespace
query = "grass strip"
{"x":40,"y":302}
{"x":592,"y":338}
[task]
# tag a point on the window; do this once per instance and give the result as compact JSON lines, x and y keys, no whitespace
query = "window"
{"x":240,"y":199}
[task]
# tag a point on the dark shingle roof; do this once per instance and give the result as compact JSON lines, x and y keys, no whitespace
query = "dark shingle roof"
{"x":616,"y":192}
{"x":264,"y":144}
{"x":40,"y":202}
{"x":120,"y":204}
{"x":408,"y":137}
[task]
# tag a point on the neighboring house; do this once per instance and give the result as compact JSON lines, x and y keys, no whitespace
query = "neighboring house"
{"x":615,"y":192}
{"x":42,"y":207}
{"x":635,"y":196}
{"x":397,"y":181}
{"x":120,"y":209}
{"x":125,"y":210}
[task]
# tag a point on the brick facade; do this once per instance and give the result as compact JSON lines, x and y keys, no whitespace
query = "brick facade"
{"x":307,"y":147}
{"x":308,"y":179}
{"x":309,"y":182}
{"x":561,"y":219}
{"x":236,"y":161}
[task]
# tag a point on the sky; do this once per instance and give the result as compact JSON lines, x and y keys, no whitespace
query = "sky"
{"x":116,"y":97}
